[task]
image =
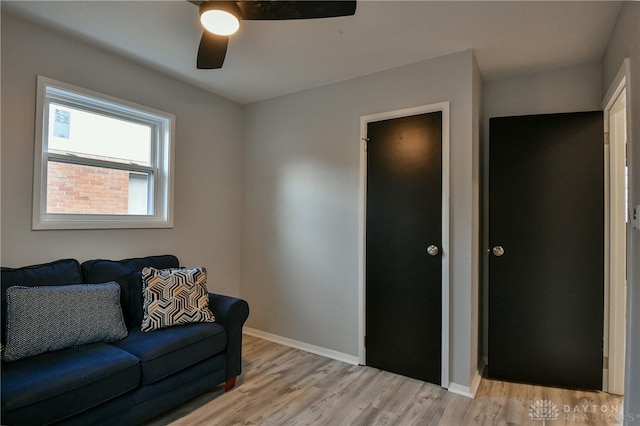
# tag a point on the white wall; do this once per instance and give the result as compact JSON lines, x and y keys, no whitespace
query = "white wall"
{"x":625,"y":43}
{"x":208,"y":158}
{"x":301,"y":203}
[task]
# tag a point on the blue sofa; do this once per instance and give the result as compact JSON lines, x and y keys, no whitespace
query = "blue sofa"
{"x":128,"y":381}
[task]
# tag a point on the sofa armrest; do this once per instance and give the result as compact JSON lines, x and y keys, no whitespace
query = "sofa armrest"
{"x":231,"y":313}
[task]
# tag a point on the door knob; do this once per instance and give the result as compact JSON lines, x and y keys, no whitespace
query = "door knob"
{"x":432,"y":250}
{"x":498,"y":251}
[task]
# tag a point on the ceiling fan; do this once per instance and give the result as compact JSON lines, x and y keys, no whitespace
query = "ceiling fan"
{"x":221,"y":18}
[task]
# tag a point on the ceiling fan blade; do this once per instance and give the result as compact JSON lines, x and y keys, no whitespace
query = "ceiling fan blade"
{"x":302,"y":9}
{"x":212,"y":50}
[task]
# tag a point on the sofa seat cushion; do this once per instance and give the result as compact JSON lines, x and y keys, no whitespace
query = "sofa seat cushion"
{"x":55,"y":385}
{"x":169,"y":350}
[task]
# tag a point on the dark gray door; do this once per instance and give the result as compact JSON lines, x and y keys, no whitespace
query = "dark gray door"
{"x":546,"y":264}
{"x":404,"y":218}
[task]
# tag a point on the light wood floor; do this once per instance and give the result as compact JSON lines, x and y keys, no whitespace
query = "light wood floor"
{"x":285,"y":386}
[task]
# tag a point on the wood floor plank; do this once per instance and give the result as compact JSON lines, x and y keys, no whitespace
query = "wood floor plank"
{"x":426,"y":407}
{"x":331,"y":405}
{"x":358,"y":399}
{"x":282,"y":386}
{"x":456,"y":410}
{"x":490,"y":404}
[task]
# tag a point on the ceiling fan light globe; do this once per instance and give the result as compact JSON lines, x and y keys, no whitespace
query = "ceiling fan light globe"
{"x":220,"y":22}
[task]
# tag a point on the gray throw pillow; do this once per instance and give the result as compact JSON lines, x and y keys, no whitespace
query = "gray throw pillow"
{"x":48,"y":318}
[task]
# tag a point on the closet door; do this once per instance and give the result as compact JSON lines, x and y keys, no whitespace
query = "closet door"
{"x":404,"y":246}
{"x":546,"y":260}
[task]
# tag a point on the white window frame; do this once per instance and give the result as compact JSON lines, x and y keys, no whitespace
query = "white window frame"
{"x":160,"y":170}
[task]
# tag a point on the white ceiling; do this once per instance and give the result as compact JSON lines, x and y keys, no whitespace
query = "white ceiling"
{"x":272,"y":58}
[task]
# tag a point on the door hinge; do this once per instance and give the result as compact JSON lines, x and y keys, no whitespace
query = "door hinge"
{"x":626,"y":154}
{"x":606,"y":138}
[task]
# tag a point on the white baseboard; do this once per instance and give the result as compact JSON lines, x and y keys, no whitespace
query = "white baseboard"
{"x":477,"y":377}
{"x":469,"y":391}
{"x":318,"y":350}
{"x":460,"y":390}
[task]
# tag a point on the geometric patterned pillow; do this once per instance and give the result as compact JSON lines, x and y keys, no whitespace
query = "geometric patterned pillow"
{"x":173,"y":297}
{"x":49,"y":318}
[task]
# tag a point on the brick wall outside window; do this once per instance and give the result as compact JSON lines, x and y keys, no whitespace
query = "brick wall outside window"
{"x":74,"y":188}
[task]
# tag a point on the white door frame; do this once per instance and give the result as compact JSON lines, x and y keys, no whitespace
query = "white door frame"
{"x":615,"y":286}
{"x":446,"y":234}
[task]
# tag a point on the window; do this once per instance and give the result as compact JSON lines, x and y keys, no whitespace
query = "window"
{"x":100,"y":162}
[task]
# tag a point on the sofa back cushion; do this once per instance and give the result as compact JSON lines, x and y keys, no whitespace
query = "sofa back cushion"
{"x":60,"y":272}
{"x":122,"y":271}
{"x":137,"y":299}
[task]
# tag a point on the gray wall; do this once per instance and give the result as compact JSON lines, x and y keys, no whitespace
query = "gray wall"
{"x":625,"y":43}
{"x":568,"y":89}
{"x":208,"y":158}
{"x":301,"y":204}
